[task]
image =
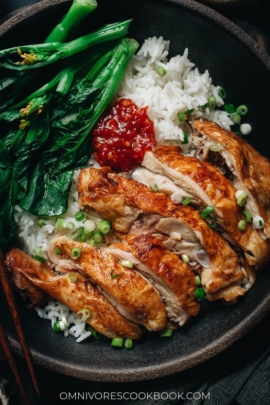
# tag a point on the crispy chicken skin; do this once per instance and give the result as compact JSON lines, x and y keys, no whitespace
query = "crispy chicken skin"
{"x":210,"y":187}
{"x":81,"y":294}
{"x":250,"y":170}
{"x":171,"y":273}
{"x":132,"y":295}
{"x":121,"y":200}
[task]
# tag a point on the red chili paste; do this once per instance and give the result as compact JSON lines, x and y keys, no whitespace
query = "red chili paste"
{"x":122,"y":136}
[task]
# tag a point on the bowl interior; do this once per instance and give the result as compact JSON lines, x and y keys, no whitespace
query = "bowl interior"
{"x":235,"y":63}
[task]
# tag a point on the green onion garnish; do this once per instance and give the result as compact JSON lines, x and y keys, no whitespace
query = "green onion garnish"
{"x":197,"y":280}
{"x":117,"y":342}
{"x":248,"y":216}
{"x":154,"y":188}
{"x":89,"y":225}
{"x":186,"y":201}
{"x":97,"y":237}
{"x":207,"y":211}
{"x":56,"y":327}
{"x":81,"y":238}
{"x":59,"y":224}
{"x":214,"y":148}
{"x":73,"y":277}
{"x":242,"y":110}
{"x":166,"y":333}
{"x":128,"y":343}
{"x":200,"y":293}
{"x":236,"y":118}
{"x":222,"y":93}
{"x":242,"y":225}
{"x":239,"y":134}
{"x":181,"y":117}
{"x":104,"y":227}
{"x":245,"y":129}
{"x":161,"y":71}
{"x":189,"y":112}
{"x":126,"y":263}
{"x":242,"y":199}
{"x":229,"y":108}
{"x":114,"y":275}
{"x":212,"y":222}
{"x":94,"y":332}
{"x":40,"y":259}
{"x":75,"y":253}
{"x":70,"y":226}
{"x":57,"y":251}
{"x":84,"y":314}
{"x":185,"y":258}
{"x":87,"y":233}
{"x":37,"y":250}
{"x":214,"y":156}
{"x":91,"y":242}
{"x":212,"y":102}
{"x":41,"y":222}
{"x":185,"y":138}
{"x":79,"y":216}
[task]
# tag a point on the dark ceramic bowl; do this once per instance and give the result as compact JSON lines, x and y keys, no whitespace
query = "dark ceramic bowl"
{"x":243,"y":69}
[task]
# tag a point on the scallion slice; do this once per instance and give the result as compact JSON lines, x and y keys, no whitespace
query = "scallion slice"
{"x":114,"y":275}
{"x":56,"y":327}
{"x":70,"y":226}
{"x":222,"y":93}
{"x":37,"y":250}
{"x":94,"y":332}
{"x":166,"y":333}
{"x":117,"y":342}
{"x":185,"y":258}
{"x":248,"y":216}
{"x":128,"y":343}
{"x":197,"y":280}
{"x":242,"y":224}
{"x":75,"y":253}
{"x":161,"y":71}
{"x":181,"y":117}
{"x":229,"y":108}
{"x":207,"y":211}
{"x":212,"y":102}
{"x":186,"y":201}
{"x":127,"y":263}
{"x":104,"y":227}
{"x":40,"y":258}
{"x":154,"y":188}
{"x":236,"y":118}
{"x":214,"y":148}
{"x":214,"y":156}
{"x":185,"y":140}
{"x":79,"y":216}
{"x":42,"y":222}
{"x":200,"y":293}
{"x":97,"y":237}
{"x":242,"y":199}
{"x":89,"y":225}
{"x":59,"y":224}
{"x":73,"y":277}
{"x":258,"y":222}
{"x":245,"y":129}
{"x":189,"y":112}
{"x":211,"y":221}
{"x":84,"y":314}
{"x":91,"y":242}
{"x":57,"y":251}
{"x":242,"y":110}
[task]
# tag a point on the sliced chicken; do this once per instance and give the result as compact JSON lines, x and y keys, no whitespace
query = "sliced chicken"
{"x":122,"y":200}
{"x":170,"y":275}
{"x":210,"y":188}
{"x":132,"y":295}
{"x":249,"y":170}
{"x":76,"y":295}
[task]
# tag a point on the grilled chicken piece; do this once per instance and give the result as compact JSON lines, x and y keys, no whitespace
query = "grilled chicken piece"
{"x":169,"y":275}
{"x":250,"y":170}
{"x":81,"y":294}
{"x":210,"y":188}
{"x":127,"y":290}
{"x":121,"y":201}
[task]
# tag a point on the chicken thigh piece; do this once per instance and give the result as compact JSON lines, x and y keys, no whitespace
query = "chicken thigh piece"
{"x":76,"y":295}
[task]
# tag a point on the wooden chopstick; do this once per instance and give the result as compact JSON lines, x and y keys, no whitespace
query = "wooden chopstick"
{"x":16,"y":319}
{"x":9,"y":355}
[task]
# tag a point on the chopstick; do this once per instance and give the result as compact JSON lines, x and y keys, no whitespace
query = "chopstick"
{"x":18,"y":326}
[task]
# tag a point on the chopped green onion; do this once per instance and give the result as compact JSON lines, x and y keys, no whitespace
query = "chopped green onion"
{"x":80,"y":238}
{"x":94,"y":332}
{"x":97,"y":236}
{"x":40,"y":259}
{"x":203,"y":107}
{"x":59,"y":224}
{"x":239,"y":134}
{"x":242,"y":199}
{"x":245,"y":129}
{"x":242,"y":225}
{"x":236,"y":118}
{"x":258,"y":222}
{"x":185,"y":138}
{"x":197,"y":280}
{"x":214,"y":148}
{"x":214,"y":156}
{"x":37,"y":250}
{"x":128,"y":343}
{"x":212,"y":102}
{"x":57,"y":251}
{"x":200,"y":293}
{"x":70,"y":226}
{"x":181,"y":117}
{"x":87,"y":233}
{"x":242,"y":110}
{"x":91,"y":242}
{"x":84,"y":314}
{"x":185,"y":258}
{"x":166,"y":333}
{"x":229,"y":108}
{"x":212,"y":222}
{"x":56,"y":327}
{"x":89,"y":225}
{"x":75,"y":253}
{"x":42,"y":222}
{"x":79,"y":216}
{"x":154,"y":188}
{"x":189,"y":112}
{"x":73,"y":277}
{"x":104,"y":226}
{"x":248,"y":216}
{"x":126,"y":263}
{"x":207,"y":211}
{"x":222,"y":93}
{"x":117,"y":342}
{"x":161,"y":71}
{"x":186,"y":201}
{"x":114,"y":275}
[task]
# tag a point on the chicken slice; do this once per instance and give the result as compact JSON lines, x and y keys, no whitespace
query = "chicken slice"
{"x":170,"y":275}
{"x":76,"y":295}
{"x":132,"y":295}
{"x":211,"y":188}
{"x":112,"y":195}
{"x":250,"y":170}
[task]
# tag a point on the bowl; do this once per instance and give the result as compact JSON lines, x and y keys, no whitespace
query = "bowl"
{"x":239,"y":65}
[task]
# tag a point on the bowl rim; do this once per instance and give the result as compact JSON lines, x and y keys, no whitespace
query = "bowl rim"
{"x":213,"y":348}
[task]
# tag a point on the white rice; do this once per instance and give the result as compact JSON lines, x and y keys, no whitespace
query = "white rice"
{"x":182,"y":88}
